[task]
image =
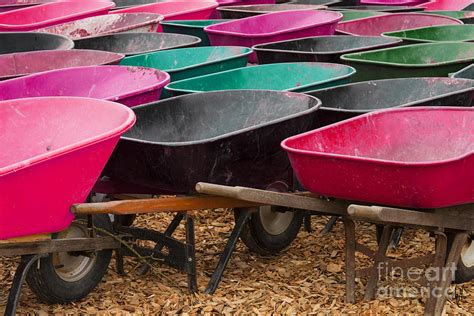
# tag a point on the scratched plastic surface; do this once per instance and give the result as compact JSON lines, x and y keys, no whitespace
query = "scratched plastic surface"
{"x":106,"y":24}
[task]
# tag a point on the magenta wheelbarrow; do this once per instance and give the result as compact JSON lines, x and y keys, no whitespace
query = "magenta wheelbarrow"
{"x":273,"y":27}
{"x":376,"y":25}
{"x":176,"y":10}
{"x":128,"y":85}
{"x":43,"y":15}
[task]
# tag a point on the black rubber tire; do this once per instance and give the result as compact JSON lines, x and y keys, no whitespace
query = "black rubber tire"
{"x":126,"y":220}
{"x":463,"y":273}
{"x":51,"y":289}
{"x":258,"y":240}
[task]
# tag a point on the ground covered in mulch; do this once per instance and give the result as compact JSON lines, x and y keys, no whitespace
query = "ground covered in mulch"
{"x":307,"y":278}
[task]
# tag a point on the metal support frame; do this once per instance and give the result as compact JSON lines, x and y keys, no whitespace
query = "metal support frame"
{"x":18,"y":280}
{"x":457,"y":218}
{"x":224,"y":258}
{"x":177,"y":254}
{"x":181,"y":255}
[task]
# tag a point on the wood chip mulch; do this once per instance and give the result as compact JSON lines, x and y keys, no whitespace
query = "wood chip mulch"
{"x":307,"y":278}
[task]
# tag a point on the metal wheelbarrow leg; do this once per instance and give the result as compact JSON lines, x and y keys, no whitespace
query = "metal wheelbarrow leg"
{"x":18,"y":280}
{"x":228,"y":250}
{"x":435,"y":304}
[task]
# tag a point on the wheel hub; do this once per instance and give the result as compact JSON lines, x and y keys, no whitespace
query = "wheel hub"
{"x":274,"y":221}
{"x":467,"y":254}
{"x":68,"y":266}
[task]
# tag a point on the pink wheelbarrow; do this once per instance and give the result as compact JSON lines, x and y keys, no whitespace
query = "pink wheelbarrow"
{"x":176,"y":10}
{"x":376,"y":25}
{"x":393,"y":2}
{"x":273,"y":27}
{"x":49,"y":159}
{"x":446,"y":5}
{"x":43,"y":15}
{"x":130,"y":86}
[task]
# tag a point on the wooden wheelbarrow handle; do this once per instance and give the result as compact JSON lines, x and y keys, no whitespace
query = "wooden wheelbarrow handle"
{"x":171,"y":204}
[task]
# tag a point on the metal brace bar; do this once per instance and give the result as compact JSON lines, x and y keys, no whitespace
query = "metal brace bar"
{"x":228,"y":250}
{"x":18,"y":280}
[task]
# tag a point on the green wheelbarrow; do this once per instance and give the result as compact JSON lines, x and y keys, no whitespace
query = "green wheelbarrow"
{"x":418,"y":60}
{"x":297,"y":77}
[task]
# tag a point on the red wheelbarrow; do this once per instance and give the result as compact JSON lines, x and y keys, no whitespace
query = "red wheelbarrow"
{"x":411,"y":157}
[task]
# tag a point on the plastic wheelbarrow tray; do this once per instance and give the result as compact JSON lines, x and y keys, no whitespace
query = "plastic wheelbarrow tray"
{"x":442,"y":33}
{"x":186,"y":63}
{"x":59,"y":155}
{"x":106,"y":24}
{"x":136,"y":43}
{"x":380,"y":8}
{"x":243,"y":2}
{"x":19,"y":4}
{"x":376,"y":25}
{"x":347,"y":101}
{"x":176,"y":10}
{"x":296,"y":77}
{"x":358,"y":14}
{"x":128,"y":85}
{"x":392,"y":2}
{"x":225,"y":137}
{"x":245,"y":11}
{"x":21,"y":64}
{"x":31,"y":41}
{"x":410,"y":157}
{"x":317,"y":2}
{"x":418,"y":60}
{"x":467,"y":17}
{"x":191,"y":27}
{"x":446,"y":5}
{"x":43,"y":15}
{"x":467,"y":73}
{"x":121,"y":4}
{"x":319,"y":48}
{"x":273,"y":27}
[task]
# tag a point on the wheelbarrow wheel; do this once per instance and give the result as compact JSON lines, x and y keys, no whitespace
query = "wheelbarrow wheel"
{"x":66,"y":277}
{"x":271,"y":229}
{"x":465,"y":268}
